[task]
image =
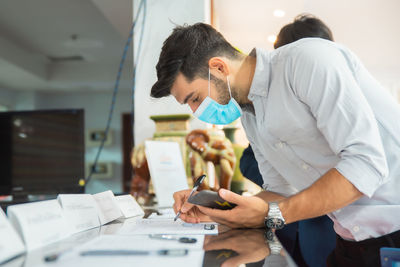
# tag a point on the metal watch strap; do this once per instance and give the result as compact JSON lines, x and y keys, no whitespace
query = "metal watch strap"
{"x":274,"y":210}
{"x":274,"y":213}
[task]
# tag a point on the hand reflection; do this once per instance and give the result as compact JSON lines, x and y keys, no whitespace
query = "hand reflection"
{"x":248,"y":245}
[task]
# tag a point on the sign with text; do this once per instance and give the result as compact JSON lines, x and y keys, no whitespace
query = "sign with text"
{"x":129,"y":207}
{"x":108,"y":207}
{"x":80,"y":211}
{"x":39,"y":223}
{"x":166,"y":169}
{"x":10,"y":242}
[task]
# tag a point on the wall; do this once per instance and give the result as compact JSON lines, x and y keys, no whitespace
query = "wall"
{"x":96,"y":105}
{"x":17,"y":100}
{"x":161,"y":19}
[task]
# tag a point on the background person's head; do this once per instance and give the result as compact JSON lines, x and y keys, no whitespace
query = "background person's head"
{"x":303,"y":26}
{"x":185,"y":59}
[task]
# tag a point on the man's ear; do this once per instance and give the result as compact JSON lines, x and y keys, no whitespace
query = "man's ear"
{"x":218,"y":67}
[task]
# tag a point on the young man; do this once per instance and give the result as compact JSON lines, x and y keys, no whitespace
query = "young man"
{"x":325,"y":134}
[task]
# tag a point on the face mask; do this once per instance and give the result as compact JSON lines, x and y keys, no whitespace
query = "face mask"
{"x":211,"y":111}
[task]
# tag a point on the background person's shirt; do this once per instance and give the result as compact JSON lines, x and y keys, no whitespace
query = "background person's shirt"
{"x":317,"y":108}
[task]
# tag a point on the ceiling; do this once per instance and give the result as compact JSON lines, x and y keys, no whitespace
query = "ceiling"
{"x":77,"y":44}
{"x":63,"y":45}
{"x":370,"y":28}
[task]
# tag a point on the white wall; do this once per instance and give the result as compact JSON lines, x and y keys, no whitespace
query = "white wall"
{"x":96,"y":106}
{"x":17,"y":100}
{"x":7,"y":98}
{"x":159,"y":24}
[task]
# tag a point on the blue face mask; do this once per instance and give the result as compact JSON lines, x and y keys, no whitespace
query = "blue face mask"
{"x":211,"y":111}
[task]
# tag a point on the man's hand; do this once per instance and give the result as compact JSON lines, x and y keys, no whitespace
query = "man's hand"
{"x":189,"y":212}
{"x":250,"y":212}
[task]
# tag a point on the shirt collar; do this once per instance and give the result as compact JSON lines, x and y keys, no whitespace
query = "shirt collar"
{"x":259,"y":85}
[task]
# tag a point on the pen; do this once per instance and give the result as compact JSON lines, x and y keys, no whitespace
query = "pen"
{"x":195,"y":186}
{"x":127,"y":252}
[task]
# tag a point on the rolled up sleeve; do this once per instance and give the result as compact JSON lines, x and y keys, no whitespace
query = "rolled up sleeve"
{"x":323,"y":80}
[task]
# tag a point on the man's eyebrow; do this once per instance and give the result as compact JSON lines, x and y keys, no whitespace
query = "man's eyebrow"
{"x":188,"y":97}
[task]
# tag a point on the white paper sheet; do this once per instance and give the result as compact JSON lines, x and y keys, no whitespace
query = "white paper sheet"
{"x":80,"y":211}
{"x":163,"y":214}
{"x":164,"y":226}
{"x":39,"y":223}
{"x":166,"y":169}
{"x":10,"y":242}
{"x":140,"y":242}
{"x":108,"y":207}
{"x":129,"y":207}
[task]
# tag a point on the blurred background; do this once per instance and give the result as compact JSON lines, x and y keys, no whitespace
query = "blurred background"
{"x":57,"y":54}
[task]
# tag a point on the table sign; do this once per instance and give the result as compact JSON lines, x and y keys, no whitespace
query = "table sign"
{"x":39,"y":223}
{"x":129,"y":207}
{"x":80,"y":211}
{"x":166,"y":169}
{"x":108,"y":207}
{"x":10,"y":242}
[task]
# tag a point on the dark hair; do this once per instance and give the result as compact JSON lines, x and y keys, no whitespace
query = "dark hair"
{"x":187,"y":50}
{"x":304,"y":25}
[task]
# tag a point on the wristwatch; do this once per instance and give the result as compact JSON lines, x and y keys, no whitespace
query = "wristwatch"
{"x":274,"y":219}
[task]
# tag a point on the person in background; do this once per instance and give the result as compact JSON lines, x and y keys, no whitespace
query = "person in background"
{"x":311,"y":239}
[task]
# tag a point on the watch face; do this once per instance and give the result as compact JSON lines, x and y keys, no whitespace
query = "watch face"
{"x":274,"y":223}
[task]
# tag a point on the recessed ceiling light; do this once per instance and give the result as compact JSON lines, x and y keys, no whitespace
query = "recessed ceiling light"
{"x":78,"y":42}
{"x":279,"y":13}
{"x":272,"y":38}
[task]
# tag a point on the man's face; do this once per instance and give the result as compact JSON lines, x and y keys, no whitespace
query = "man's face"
{"x":194,"y":92}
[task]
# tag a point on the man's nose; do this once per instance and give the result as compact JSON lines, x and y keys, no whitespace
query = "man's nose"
{"x":194,"y":106}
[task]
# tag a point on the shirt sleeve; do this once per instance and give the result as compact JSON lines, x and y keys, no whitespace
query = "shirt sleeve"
{"x":273,"y":181}
{"x":323,"y":79}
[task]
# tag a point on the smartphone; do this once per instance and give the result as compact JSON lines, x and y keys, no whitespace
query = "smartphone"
{"x":210,"y":199}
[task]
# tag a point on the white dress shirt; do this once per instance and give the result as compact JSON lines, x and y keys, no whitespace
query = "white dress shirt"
{"x":316,"y":108}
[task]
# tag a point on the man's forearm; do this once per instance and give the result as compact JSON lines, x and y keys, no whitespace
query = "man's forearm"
{"x":329,"y":193}
{"x":270,"y":196}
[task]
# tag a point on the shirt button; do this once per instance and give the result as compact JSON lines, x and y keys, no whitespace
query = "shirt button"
{"x":279,"y":145}
{"x":356,"y":228}
{"x":305,"y":166}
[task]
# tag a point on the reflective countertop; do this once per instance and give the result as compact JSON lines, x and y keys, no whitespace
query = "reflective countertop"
{"x":230,"y":247}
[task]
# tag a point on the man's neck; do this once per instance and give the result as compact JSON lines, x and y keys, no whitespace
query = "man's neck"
{"x":244,"y":74}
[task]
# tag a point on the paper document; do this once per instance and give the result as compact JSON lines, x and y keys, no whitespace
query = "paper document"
{"x":10,"y":242}
{"x":139,"y":243}
{"x":80,"y":211}
{"x":129,"y":207}
{"x":39,"y":223}
{"x":166,"y":226}
{"x":166,"y":169}
{"x":108,"y":207}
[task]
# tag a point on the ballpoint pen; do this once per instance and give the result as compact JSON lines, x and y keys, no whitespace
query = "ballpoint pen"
{"x":195,"y":186}
{"x":130,"y":252}
{"x":186,"y":240}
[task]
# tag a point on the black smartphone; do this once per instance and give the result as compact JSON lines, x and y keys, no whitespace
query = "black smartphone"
{"x":210,"y":199}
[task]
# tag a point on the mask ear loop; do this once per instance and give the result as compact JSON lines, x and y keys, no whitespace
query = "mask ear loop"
{"x":209,"y":82}
{"x":229,"y":86}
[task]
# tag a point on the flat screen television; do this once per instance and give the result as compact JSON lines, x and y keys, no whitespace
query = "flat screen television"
{"x":41,"y":152}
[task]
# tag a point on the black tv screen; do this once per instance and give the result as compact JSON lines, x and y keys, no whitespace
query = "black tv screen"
{"x":41,"y":152}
